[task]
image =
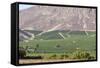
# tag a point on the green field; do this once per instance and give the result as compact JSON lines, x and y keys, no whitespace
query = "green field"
{"x":50,"y":44}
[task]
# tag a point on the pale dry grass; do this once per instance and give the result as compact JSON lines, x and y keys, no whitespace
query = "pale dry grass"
{"x":28,"y":61}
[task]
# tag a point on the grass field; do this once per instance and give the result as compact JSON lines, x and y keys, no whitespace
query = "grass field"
{"x":51,"y":44}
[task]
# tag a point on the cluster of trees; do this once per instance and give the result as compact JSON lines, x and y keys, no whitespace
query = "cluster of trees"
{"x":82,"y":55}
{"x":24,"y":50}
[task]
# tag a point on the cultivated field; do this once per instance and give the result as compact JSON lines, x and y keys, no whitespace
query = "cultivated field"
{"x":60,"y":46}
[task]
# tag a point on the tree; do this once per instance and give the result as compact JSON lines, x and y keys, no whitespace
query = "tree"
{"x":37,"y":46}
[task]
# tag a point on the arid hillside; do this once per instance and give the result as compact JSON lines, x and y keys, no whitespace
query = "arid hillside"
{"x":43,"y":18}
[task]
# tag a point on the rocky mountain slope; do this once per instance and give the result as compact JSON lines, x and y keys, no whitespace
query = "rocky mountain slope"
{"x":44,"y":18}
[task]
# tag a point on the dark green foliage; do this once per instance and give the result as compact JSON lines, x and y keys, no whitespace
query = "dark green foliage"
{"x":82,"y":55}
{"x":58,"y":46}
{"x":64,"y":56}
{"x":54,"y":56}
{"x":91,"y":58}
{"x":22,"y":52}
